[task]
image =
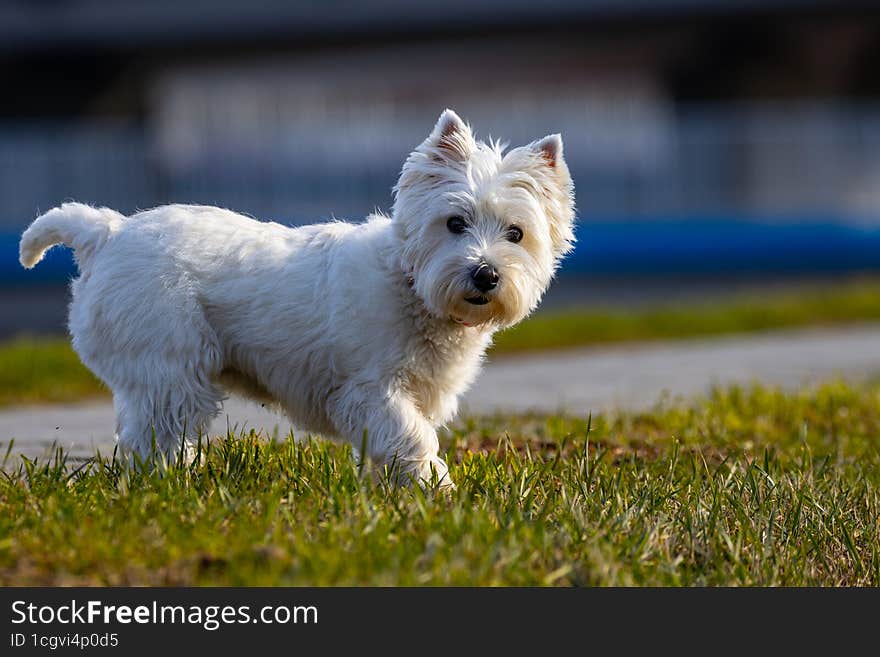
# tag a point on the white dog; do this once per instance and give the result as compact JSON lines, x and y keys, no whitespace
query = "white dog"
{"x":357,"y":330}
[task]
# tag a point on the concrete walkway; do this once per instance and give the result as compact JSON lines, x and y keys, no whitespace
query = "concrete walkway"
{"x":578,"y":381}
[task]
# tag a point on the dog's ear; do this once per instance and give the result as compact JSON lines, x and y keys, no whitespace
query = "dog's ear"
{"x":451,"y":138}
{"x":439,"y":157}
{"x":550,"y":148}
{"x":558,"y":192}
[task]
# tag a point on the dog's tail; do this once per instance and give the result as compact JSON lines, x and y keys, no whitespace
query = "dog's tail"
{"x":83,"y":228}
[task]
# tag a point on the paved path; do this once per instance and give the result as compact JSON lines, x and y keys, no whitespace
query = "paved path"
{"x":579,"y":381}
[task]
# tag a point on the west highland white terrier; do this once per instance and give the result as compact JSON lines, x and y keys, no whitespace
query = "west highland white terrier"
{"x":365,"y":332}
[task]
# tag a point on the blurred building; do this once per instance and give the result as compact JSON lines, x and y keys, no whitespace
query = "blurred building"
{"x":694,"y":128}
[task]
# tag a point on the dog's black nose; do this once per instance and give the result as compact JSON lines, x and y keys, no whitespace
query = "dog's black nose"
{"x":485,"y":277}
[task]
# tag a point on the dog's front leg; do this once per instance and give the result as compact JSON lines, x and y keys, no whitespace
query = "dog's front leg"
{"x":399,"y":436}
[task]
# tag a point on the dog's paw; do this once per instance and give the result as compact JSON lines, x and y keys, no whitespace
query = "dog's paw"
{"x":433,"y":474}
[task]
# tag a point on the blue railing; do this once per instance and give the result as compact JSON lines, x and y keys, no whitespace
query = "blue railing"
{"x":659,"y":245}
{"x":718,"y":189}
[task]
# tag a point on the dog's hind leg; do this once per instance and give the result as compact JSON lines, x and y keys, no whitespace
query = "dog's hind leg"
{"x":166,"y":421}
{"x":156,"y":351}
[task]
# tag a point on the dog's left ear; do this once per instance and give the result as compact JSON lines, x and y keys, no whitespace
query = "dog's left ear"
{"x":558,"y":192}
{"x":550,"y":148}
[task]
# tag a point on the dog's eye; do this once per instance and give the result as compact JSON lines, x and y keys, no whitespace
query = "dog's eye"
{"x":456,"y":225}
{"x":514,"y":234}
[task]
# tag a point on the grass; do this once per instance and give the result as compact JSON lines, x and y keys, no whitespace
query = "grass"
{"x":44,"y":370}
{"x":47,"y":370}
{"x":746,"y":487}
{"x":823,"y":305}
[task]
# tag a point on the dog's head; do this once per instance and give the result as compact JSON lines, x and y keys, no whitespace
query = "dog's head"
{"x":483,"y":230}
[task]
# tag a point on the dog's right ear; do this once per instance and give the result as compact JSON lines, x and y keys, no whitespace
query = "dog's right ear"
{"x":451,"y":138}
{"x":440,"y":157}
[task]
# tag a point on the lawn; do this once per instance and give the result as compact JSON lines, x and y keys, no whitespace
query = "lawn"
{"x":745,"y":487}
{"x":44,"y":370}
{"x":47,"y":370}
{"x":818,"y":305}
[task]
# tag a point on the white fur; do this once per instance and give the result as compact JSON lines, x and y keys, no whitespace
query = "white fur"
{"x":349,"y":328}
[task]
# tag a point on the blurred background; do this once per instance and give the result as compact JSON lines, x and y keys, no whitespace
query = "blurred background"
{"x":715,"y":145}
